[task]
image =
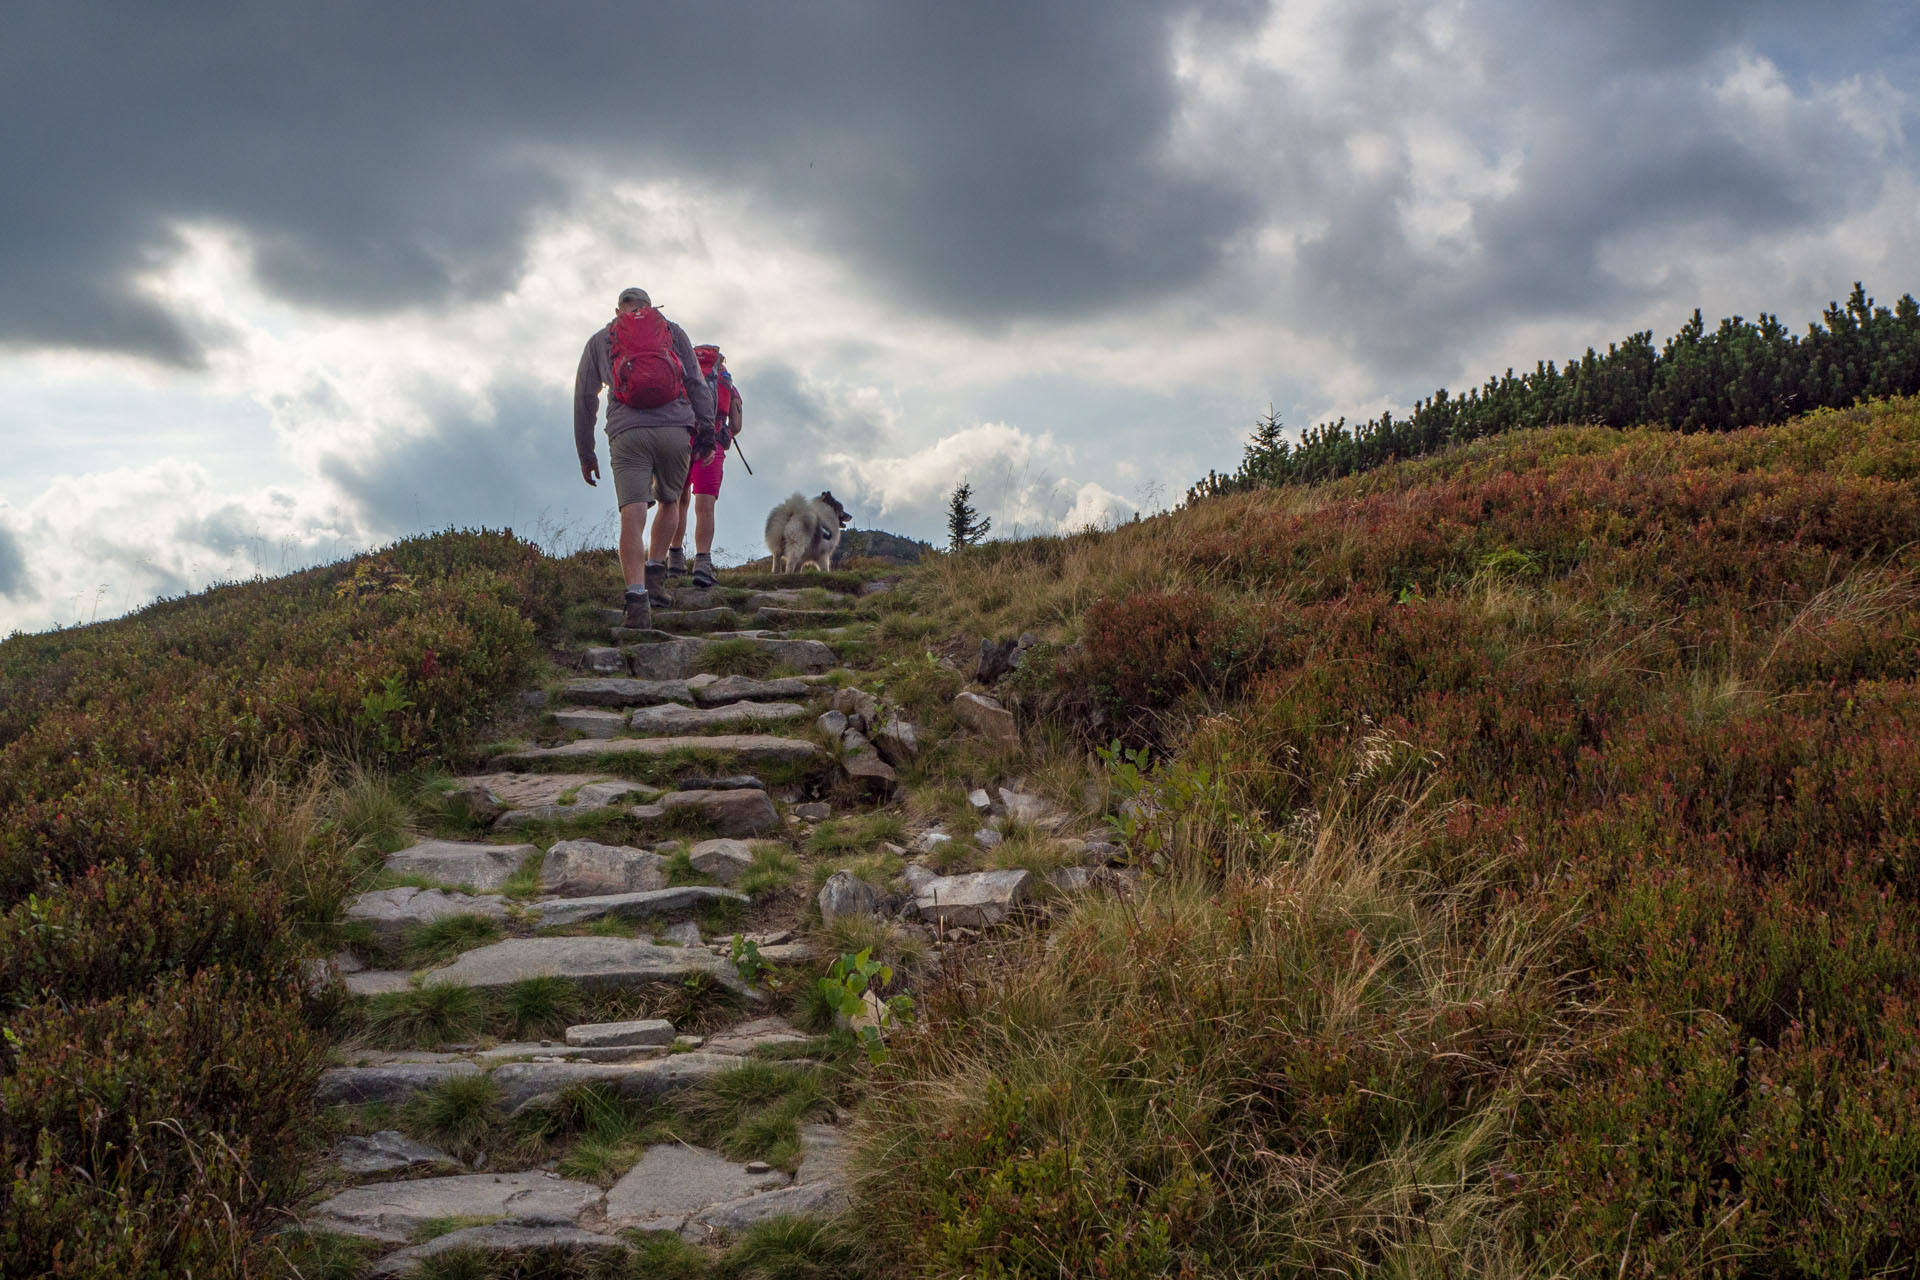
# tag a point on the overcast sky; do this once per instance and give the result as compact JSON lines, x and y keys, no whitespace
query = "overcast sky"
{"x":282,"y":282}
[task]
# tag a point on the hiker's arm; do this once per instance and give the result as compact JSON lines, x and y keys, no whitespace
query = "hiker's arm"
{"x":586,"y":412}
{"x":733,"y":414}
{"x":699,"y":394}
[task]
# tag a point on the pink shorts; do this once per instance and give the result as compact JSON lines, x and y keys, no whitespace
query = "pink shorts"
{"x":704,"y":477}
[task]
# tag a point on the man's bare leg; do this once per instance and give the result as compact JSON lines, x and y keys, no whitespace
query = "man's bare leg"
{"x":633,"y":556}
{"x":667,"y":522}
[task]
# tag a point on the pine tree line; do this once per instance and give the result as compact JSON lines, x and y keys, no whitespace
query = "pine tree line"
{"x":1741,"y":374}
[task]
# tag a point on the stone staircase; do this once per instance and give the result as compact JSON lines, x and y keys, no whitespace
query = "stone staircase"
{"x":642,"y":707}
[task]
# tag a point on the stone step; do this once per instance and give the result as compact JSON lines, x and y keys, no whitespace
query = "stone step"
{"x":501,"y":1240}
{"x":393,"y":1082}
{"x":392,"y":913}
{"x":593,"y":796}
{"x":390,"y":1212}
{"x":530,"y":1051}
{"x":675,"y":719}
{"x":730,"y":689}
{"x":645,"y":905}
{"x":590,"y":722}
{"x":679,"y":658}
{"x":776,"y":618}
{"x":976,"y":901}
{"x":588,"y":869}
{"x":385,"y":1152}
{"x":748,"y":748}
{"x":624,"y":691}
{"x":459,"y":862}
{"x":735,"y":815}
{"x":376,"y":982}
{"x":672,"y":1183}
{"x":528,"y":1083}
{"x":525,"y":790}
{"x":709,"y":619}
{"x":595,"y":963}
{"x":814,"y":1199}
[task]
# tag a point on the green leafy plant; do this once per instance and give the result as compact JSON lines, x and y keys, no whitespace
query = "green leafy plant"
{"x":378,"y":708}
{"x":847,"y":987}
{"x":747,"y":960}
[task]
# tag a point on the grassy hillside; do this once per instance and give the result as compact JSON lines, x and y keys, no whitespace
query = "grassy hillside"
{"x":1540,"y":836}
{"x":177,"y":831}
{"x":1528,"y":842}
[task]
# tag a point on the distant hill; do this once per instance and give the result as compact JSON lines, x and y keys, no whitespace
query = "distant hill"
{"x":878,"y":544}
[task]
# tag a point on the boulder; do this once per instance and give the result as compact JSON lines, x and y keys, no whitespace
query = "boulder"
{"x":860,"y":707}
{"x":897,"y":741}
{"x":1032,"y":810}
{"x":988,"y":838}
{"x":645,"y":905}
{"x":605,"y":660}
{"x":595,"y":963}
{"x":671,"y":718}
{"x":395,"y":1082}
{"x":668,"y":660}
{"x":986,"y":717}
{"x":832,"y":723}
{"x":505,"y":1240}
{"x":392,"y":1211}
{"x":975,"y":901}
{"x":930,"y":841}
{"x":478,"y":866}
{"x":812,"y":811}
{"x":682,"y":933}
{"x":392,"y":913}
{"x":474,"y":800}
{"x":734,"y":814}
{"x":845,"y":894}
{"x":582,"y":868}
{"x":384,"y":1152}
{"x":672,"y":1182}
{"x":802,"y":655}
{"x":918,"y":877}
{"x":599,"y":1035}
{"x":722,"y":860}
{"x":871,"y":776}
{"x":982,"y":803}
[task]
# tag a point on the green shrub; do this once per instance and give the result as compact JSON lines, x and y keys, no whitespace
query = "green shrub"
{"x":456,"y":1112}
{"x":425,"y":1017}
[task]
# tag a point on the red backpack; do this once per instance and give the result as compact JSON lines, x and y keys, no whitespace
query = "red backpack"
{"x":646,"y":372}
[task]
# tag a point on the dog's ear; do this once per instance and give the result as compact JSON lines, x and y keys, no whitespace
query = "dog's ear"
{"x":828,"y":498}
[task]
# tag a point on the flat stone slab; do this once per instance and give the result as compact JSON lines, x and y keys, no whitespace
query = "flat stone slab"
{"x":605,"y":659}
{"x":774,"y":616}
{"x":392,"y":1211}
{"x":590,"y":722}
{"x":807,"y":655}
{"x":340,"y":1086}
{"x":376,"y":982}
{"x":522,"y":1082}
{"x":390,"y":913}
{"x":734,"y":814}
{"x":747,"y":689}
{"x":673,"y":719}
{"x":673,"y":1182}
{"x":975,"y":901}
{"x":598,"y":963}
{"x":640,"y":1031}
{"x":792,"y":598}
{"x":812,"y":1199}
{"x":524,"y":790}
{"x":716,"y":619}
{"x":455,"y":862}
{"x":674,"y":659}
{"x":503,"y":1240}
{"x":384,"y":1152}
{"x":622,"y":692}
{"x":548,"y":1051}
{"x":585,"y":868}
{"x":751,"y":748}
{"x":823,"y":1154}
{"x":591,"y":796}
{"x":560,"y":912}
{"x":748,"y":1036}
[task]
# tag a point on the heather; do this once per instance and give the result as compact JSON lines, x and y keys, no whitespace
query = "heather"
{"x":173,"y":845}
{"x":1534,"y":847}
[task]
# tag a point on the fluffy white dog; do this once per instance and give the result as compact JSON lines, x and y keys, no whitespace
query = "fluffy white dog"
{"x":803,"y":532}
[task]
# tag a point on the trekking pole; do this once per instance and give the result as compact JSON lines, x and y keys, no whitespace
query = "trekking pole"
{"x":733,"y":443}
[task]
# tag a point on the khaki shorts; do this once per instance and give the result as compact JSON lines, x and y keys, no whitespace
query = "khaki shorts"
{"x":649,"y":463}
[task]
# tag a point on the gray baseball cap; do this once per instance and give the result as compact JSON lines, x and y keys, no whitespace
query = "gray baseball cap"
{"x":635,"y":295}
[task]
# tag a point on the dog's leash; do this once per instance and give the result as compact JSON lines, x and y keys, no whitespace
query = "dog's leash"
{"x":733,"y":443}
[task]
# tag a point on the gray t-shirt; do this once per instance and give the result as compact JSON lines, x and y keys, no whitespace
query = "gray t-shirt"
{"x":596,"y":371}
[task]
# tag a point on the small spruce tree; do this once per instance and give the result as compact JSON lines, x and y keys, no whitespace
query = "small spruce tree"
{"x":965,"y":526}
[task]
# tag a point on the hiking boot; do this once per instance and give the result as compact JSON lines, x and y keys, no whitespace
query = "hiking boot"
{"x":676,"y":562}
{"x":703,"y":573}
{"x":657,"y":587}
{"x":639,"y":614}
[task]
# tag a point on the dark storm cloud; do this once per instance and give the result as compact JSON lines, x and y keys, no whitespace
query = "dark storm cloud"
{"x":13,"y":567}
{"x":989,"y":160}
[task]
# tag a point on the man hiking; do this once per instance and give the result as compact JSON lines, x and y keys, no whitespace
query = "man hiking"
{"x":659,"y":417}
{"x":703,"y":478}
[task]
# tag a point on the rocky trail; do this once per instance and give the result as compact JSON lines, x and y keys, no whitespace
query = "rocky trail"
{"x":708,"y":779}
